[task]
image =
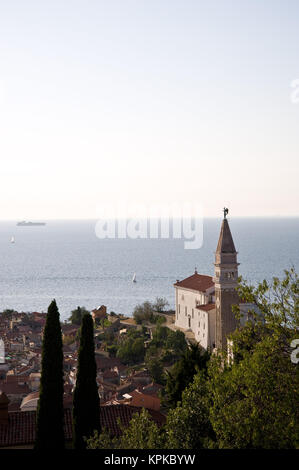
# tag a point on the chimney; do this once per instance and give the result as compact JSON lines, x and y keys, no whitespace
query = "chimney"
{"x":4,"y":401}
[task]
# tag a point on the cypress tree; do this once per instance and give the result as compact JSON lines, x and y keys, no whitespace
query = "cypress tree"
{"x":86,"y":403}
{"x":49,"y":431}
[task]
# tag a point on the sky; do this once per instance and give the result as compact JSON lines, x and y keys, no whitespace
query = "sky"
{"x":154,"y":101}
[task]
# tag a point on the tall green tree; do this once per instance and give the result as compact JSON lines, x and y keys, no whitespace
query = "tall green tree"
{"x":188,"y":425}
{"x":176,"y":341}
{"x":155,"y":368}
{"x":86,"y":404}
{"x":77,"y":315}
{"x":252,"y":402}
{"x":255,"y":400}
{"x":182,"y":373}
{"x":49,"y":431}
{"x":160,"y":335}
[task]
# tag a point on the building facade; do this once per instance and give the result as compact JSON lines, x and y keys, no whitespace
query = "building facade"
{"x":195,"y":307}
{"x":203,"y":304}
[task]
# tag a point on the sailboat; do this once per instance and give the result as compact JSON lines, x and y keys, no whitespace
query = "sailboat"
{"x":12,"y":240}
{"x":134,"y":278}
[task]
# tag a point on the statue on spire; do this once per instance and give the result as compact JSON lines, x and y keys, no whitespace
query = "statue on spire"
{"x":225,"y":212}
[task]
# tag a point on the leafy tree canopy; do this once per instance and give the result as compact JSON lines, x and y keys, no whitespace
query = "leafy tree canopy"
{"x":252,"y":402}
{"x":142,"y":433}
{"x":77,"y":315}
{"x":131,"y":350}
{"x":155,"y":369}
{"x":182,"y":373}
{"x":160,"y":304}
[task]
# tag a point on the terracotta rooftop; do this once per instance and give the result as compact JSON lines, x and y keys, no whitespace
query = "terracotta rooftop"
{"x":69,"y":329}
{"x":206,"y":307}
{"x":16,"y":378}
{"x":14,"y":406}
{"x":20,"y":429}
{"x":106,"y":385}
{"x":31,"y":396}
{"x":106,"y":362}
{"x":152,"y":389}
{"x":109,"y":374}
{"x":199,"y":282}
{"x":141,"y":373}
{"x":14,"y":388}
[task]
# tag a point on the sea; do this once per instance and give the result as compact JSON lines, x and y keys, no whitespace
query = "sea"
{"x":66,"y":260}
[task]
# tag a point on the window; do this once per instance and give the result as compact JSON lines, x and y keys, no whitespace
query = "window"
{"x":179,"y":308}
{"x":204,"y":326}
{"x":186,"y":311}
{"x":193,"y":313}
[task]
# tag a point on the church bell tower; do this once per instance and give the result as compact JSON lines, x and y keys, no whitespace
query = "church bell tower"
{"x":226,"y":280}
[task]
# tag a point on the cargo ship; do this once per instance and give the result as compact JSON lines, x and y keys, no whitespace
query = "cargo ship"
{"x":30,"y":224}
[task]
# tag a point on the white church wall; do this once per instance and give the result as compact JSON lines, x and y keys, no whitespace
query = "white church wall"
{"x":212,"y":328}
{"x":205,"y":328}
{"x":189,"y":317}
{"x":186,"y":308}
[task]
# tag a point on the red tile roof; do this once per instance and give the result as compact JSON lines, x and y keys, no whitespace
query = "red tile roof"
{"x":109,"y":415}
{"x":31,"y":396}
{"x":199,"y":282}
{"x":109,"y":374}
{"x":14,"y":388}
{"x":152,"y":389}
{"x":16,"y":378}
{"x":14,"y":406}
{"x":20,"y":429}
{"x":206,"y":307}
{"x":106,"y":362}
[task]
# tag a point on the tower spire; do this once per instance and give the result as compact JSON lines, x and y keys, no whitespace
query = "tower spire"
{"x":226,"y":280}
{"x":225,"y":242}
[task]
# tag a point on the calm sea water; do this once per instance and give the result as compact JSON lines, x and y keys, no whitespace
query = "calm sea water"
{"x":66,"y":261}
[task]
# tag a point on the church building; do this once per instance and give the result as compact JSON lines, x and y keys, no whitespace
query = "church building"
{"x":203,"y":304}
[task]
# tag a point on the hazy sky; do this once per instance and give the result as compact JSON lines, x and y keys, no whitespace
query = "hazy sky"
{"x":150,"y":101}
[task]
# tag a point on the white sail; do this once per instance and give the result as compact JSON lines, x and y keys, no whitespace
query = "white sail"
{"x":134,"y":278}
{"x":12,"y":240}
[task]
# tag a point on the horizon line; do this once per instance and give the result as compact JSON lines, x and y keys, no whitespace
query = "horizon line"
{"x":82,"y":219}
